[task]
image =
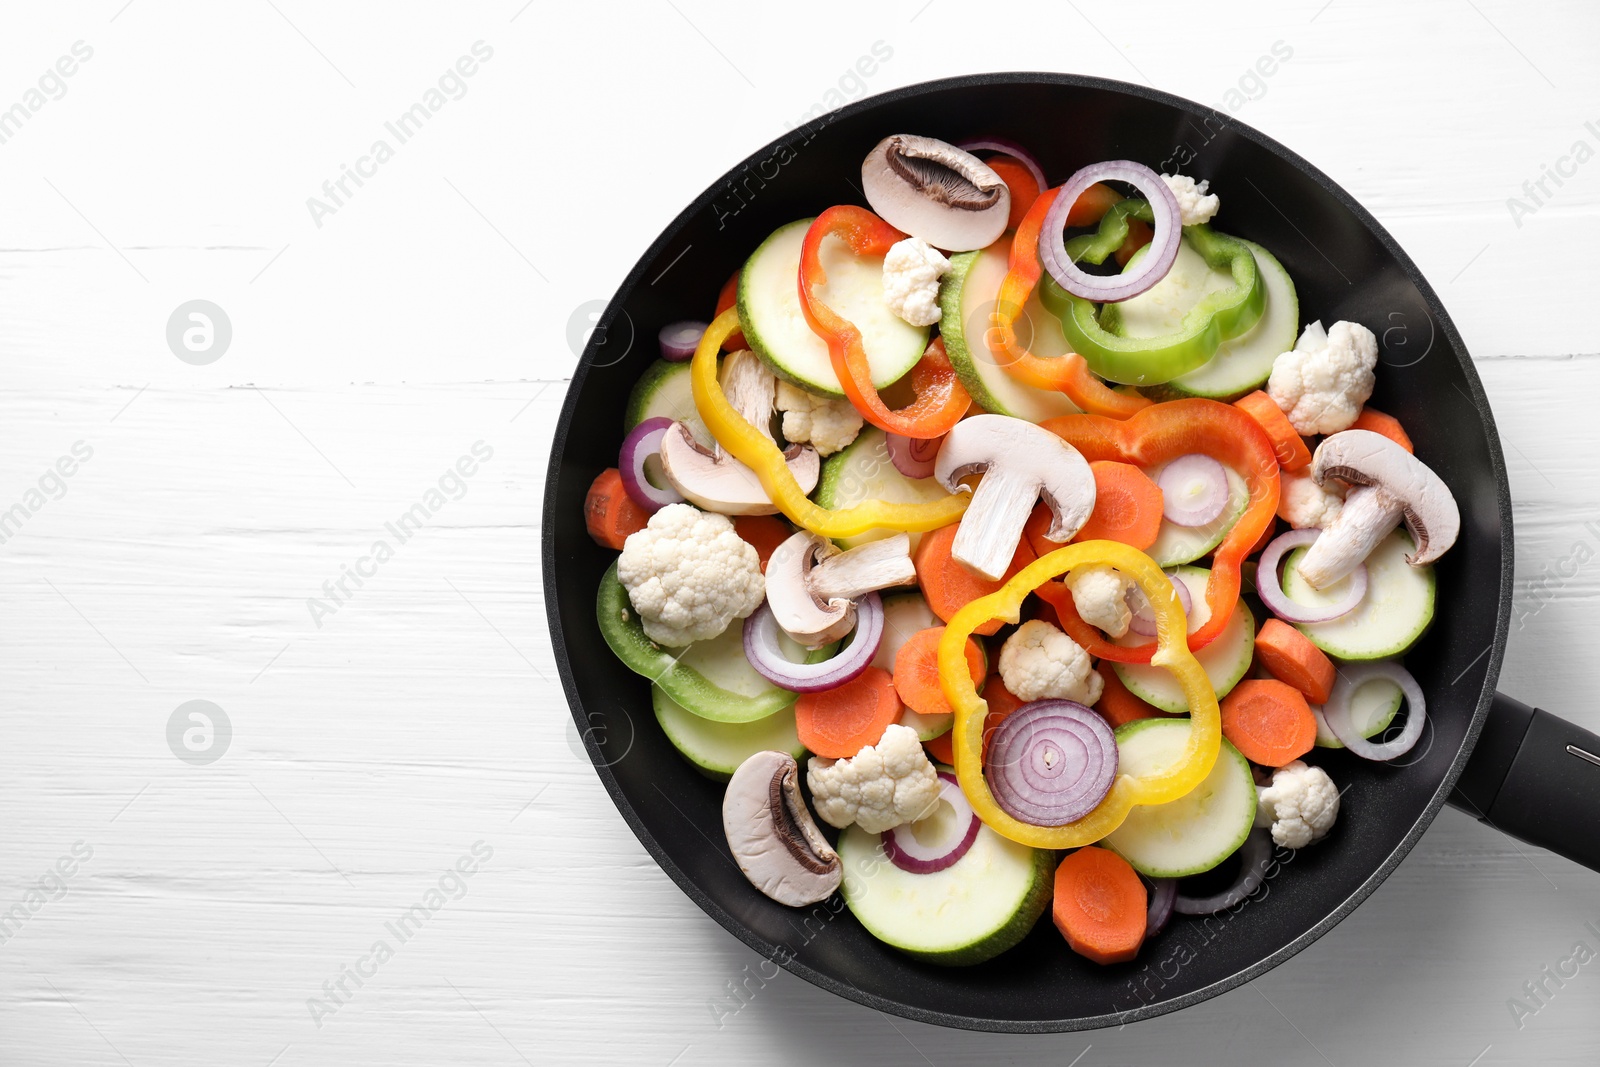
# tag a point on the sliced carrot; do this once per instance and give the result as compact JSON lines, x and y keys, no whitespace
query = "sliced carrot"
{"x":1376,"y":421}
{"x":1269,"y":721}
{"x":1100,"y":905}
{"x":942,"y":749}
{"x":1117,"y":704}
{"x":1024,"y":190}
{"x":610,"y":513}
{"x":916,"y":672}
{"x":1002,"y":702}
{"x":1293,"y":659}
{"x":1092,"y":204}
{"x":1292,"y":452}
{"x":725,"y":300}
{"x":1140,"y":233}
{"x":1127,"y":508}
{"x":840,"y":722}
{"x":948,"y":586}
{"x":764,"y":533}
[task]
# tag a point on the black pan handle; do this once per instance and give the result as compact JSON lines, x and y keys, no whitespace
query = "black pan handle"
{"x":1535,"y":776}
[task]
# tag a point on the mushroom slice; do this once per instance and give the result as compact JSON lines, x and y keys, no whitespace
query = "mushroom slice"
{"x":715,"y":481}
{"x":935,"y":191}
{"x":1021,"y":463}
{"x":812,"y":587}
{"x":772,"y":835}
{"x":1388,"y":484}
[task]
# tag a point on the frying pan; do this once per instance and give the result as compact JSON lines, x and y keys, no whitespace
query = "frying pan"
{"x":1525,"y":771}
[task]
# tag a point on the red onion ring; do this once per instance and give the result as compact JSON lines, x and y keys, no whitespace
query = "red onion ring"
{"x":1163,"y":891}
{"x":765,"y":654}
{"x":1254,"y":857}
{"x":1194,"y":490}
{"x":1336,"y":711}
{"x":909,"y":854}
{"x":1271,"y":590}
{"x":913,"y":456}
{"x":1008,"y":148}
{"x":1144,"y":618}
{"x":680,"y":339}
{"x":1051,"y":762}
{"x":642,"y":442}
{"x":1150,"y":269}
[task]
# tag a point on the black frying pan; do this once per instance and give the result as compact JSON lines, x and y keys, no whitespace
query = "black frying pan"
{"x":1507,"y":763}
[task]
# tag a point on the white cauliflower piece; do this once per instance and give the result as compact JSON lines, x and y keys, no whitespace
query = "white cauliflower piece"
{"x":1300,"y":805}
{"x":1322,"y":383}
{"x":1040,"y":662}
{"x":878,"y":788}
{"x":828,"y":424}
{"x":1100,"y":594}
{"x":911,"y":272}
{"x":688,"y":575}
{"x":1193,"y":202}
{"x":1303,"y":504}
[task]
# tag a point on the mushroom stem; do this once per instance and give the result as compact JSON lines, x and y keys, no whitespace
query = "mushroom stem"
{"x":1368,"y":515}
{"x":992,"y":528}
{"x":865,"y":569}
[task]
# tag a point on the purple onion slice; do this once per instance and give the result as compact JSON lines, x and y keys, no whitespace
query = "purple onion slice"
{"x":945,"y":838}
{"x":1051,"y":762}
{"x":764,"y":650}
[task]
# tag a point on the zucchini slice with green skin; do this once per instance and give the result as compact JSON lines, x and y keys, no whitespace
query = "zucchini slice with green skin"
{"x":776,"y":328}
{"x":864,"y":471}
{"x":1396,"y":611}
{"x":663,"y":391}
{"x":1373,"y":707}
{"x":1197,"y":831}
{"x":1226,"y":659}
{"x":711,"y":679}
{"x":1244,"y":363}
{"x":966,"y":299}
{"x":971,"y":911}
{"x":1176,"y":544}
{"x":717,"y":748}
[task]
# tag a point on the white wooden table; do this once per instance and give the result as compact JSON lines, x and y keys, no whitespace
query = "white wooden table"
{"x":377,"y":339}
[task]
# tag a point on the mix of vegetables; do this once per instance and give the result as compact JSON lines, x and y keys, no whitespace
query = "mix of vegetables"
{"x":1002,"y":581}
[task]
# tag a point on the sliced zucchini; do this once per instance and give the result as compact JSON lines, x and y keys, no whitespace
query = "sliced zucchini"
{"x":1184,"y":544}
{"x":1197,"y":831}
{"x":966,"y":299}
{"x":1226,"y":659}
{"x":717,"y":748}
{"x":1244,"y":363}
{"x":1396,"y":610}
{"x":864,"y":471}
{"x":776,"y":328}
{"x":663,"y":391}
{"x":1372,"y":708}
{"x":971,"y":911}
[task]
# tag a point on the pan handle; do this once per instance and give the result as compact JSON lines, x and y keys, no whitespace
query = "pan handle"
{"x":1535,"y":776}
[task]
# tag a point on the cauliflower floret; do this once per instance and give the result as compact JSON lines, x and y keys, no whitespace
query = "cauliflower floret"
{"x":911,"y":272}
{"x":1039,"y":662}
{"x":829,"y":424}
{"x":1300,"y":805}
{"x":878,"y":788}
{"x":1195,"y":206}
{"x":1101,"y":596}
{"x":1302,"y":503}
{"x":1323,"y":382}
{"x":688,"y":575}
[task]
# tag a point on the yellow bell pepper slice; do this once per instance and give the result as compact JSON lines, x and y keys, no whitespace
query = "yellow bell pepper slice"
{"x":758,"y":452}
{"x":1172,"y":652}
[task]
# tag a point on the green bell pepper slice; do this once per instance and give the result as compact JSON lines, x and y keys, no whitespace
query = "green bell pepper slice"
{"x":1217,"y":317}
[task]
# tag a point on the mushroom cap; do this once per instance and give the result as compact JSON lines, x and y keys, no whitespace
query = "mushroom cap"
{"x":934,"y":190}
{"x":772,"y":835}
{"x":798,"y":611}
{"x":718,"y":482}
{"x":1364,"y":458}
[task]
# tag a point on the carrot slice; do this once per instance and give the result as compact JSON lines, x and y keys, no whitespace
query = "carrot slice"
{"x":1001,"y":701}
{"x":1140,"y":234}
{"x":1294,"y":660}
{"x":1127,"y":508}
{"x":728,"y":297}
{"x":610,"y":513}
{"x":840,"y":722}
{"x":1100,"y":905}
{"x":1269,"y":721}
{"x":1117,"y":704}
{"x":916,"y":672}
{"x":941,"y":749}
{"x":947,"y":586}
{"x":1291,"y":448}
{"x":764,"y":533}
{"x":1024,"y":190}
{"x":1376,"y":421}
